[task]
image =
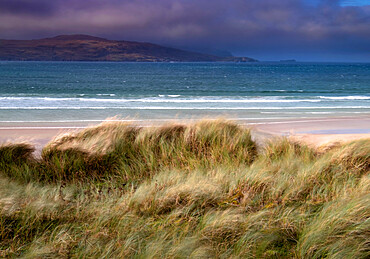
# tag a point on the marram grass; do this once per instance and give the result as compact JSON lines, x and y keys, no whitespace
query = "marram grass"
{"x":183,"y":191}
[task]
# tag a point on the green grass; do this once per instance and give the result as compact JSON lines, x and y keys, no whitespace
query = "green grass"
{"x":200,"y":190}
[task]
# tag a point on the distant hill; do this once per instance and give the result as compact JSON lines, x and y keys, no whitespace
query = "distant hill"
{"x":90,"y":48}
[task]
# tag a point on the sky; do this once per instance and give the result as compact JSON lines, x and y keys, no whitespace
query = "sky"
{"x":305,"y":30}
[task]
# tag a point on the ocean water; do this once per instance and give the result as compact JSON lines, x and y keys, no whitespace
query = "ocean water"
{"x":90,"y":92}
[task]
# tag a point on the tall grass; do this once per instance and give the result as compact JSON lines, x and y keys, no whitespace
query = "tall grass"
{"x":129,"y":153}
{"x":198,"y":190}
{"x":16,"y":160}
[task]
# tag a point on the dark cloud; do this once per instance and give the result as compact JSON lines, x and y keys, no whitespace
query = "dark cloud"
{"x":261,"y":28}
{"x":28,"y":7}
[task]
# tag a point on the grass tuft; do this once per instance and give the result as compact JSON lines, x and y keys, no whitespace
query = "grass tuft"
{"x":16,"y":160}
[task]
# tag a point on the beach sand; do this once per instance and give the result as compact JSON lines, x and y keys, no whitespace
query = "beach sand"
{"x":312,"y":131}
{"x":317,"y":140}
{"x":38,"y":137}
{"x":319,"y":132}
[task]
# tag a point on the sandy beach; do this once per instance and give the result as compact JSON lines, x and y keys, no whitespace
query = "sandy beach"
{"x":312,"y":131}
{"x":318,"y":132}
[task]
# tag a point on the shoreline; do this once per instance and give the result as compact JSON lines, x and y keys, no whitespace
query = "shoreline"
{"x":312,"y":131}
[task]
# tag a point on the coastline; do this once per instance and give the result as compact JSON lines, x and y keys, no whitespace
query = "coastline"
{"x":311,"y":131}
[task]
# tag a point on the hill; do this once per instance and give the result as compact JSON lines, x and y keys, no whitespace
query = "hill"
{"x":90,"y":48}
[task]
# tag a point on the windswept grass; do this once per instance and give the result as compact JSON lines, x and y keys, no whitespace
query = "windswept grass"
{"x":128,"y":153}
{"x":16,"y":160}
{"x":198,"y":191}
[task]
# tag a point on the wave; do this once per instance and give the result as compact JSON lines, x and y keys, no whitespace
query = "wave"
{"x":345,"y":97}
{"x":169,"y":95}
{"x":174,"y":99}
{"x":163,"y":100}
{"x":105,"y":94}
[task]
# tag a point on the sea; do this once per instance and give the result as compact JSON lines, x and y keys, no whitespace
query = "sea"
{"x":75,"y":92}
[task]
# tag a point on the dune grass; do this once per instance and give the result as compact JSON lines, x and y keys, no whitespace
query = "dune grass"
{"x":200,"y":190}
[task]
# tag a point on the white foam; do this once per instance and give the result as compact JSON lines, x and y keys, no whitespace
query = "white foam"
{"x":105,"y":94}
{"x":174,"y":99}
{"x":38,"y":98}
{"x":169,"y":95}
{"x":345,"y":97}
{"x":162,"y":100}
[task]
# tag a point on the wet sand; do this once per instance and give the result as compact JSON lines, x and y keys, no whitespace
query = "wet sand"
{"x":313,"y":131}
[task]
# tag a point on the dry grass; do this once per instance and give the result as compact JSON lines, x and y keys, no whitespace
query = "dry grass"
{"x":176,"y":191}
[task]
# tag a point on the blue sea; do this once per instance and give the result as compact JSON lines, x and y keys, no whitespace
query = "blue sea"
{"x":90,"y":91}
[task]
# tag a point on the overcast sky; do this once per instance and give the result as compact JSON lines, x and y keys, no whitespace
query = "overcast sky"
{"x":306,"y":30}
